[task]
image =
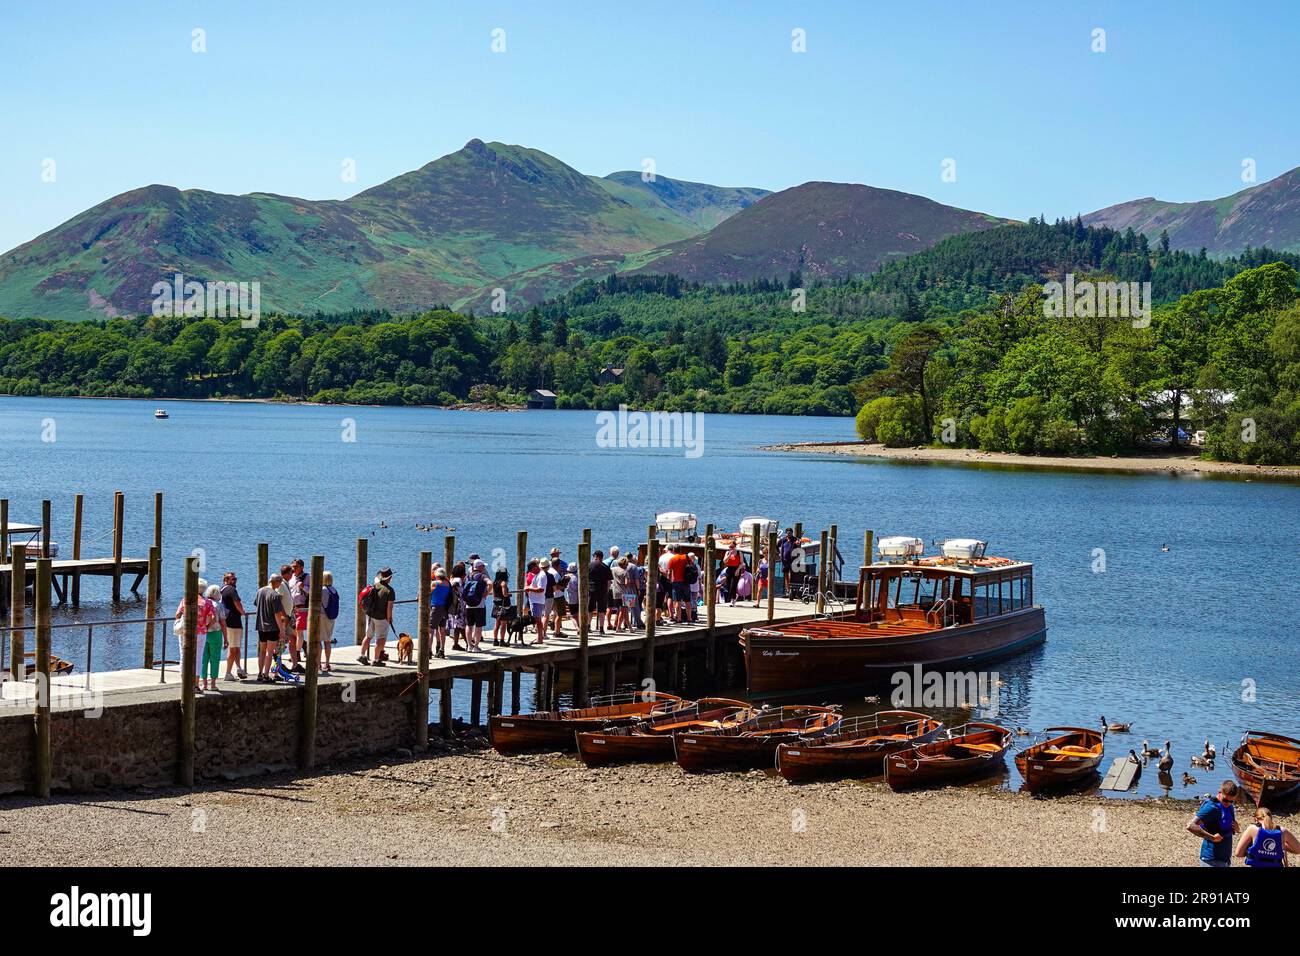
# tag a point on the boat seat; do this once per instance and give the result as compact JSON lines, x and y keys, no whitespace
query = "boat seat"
{"x":1070,"y":751}
{"x":982,"y":748}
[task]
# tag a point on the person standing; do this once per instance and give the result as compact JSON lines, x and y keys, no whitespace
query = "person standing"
{"x":1265,"y":844}
{"x":270,"y":622}
{"x":536,"y":590}
{"x":329,"y":613}
{"x":618,"y":592}
{"x":599,"y":579}
{"x":286,"y":598}
{"x":1215,"y":824}
{"x":693,"y":583}
{"x":760,"y":579}
{"x":232,"y":609}
{"x":636,"y":582}
{"x":571,"y":594}
{"x":615,"y":599}
{"x":439,"y":596}
{"x":786,"y":548}
{"x":681,"y":591}
{"x":377,"y":603}
{"x":731,"y":564}
{"x":300,"y":594}
{"x":474,"y":592}
{"x":212,"y":636}
{"x":500,"y":602}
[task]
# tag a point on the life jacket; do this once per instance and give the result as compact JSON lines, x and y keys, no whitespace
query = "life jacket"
{"x":1267,"y":849}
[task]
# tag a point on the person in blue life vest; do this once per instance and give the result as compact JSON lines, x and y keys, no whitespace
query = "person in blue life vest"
{"x":1215,"y":824}
{"x":1266,"y":844}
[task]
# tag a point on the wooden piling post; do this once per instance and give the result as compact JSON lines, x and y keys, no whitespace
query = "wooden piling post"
{"x":771,"y":576}
{"x":673,"y":661}
{"x":311,"y":684}
{"x":521,"y":566}
{"x":119,"y":514}
{"x":78,"y":511}
{"x":158,"y":538}
{"x":449,"y":553}
{"x":363,"y":579}
{"x":497,"y":693}
{"x":189,"y":653}
{"x":4,"y":530}
{"x":17,"y":607}
{"x":543,"y":686}
{"x":514,"y":691}
{"x":44,"y":692}
{"x":652,"y":604}
{"x":755,"y":549}
{"x":263,"y":564}
{"x":151,"y":606}
{"x":832,"y":548}
{"x":710,"y":599}
{"x":868,"y":540}
{"x":444,"y":707}
{"x":422,"y":628}
{"x":821,"y":571}
{"x":580,"y":678}
{"x":45,"y":528}
{"x":475,"y":701}
{"x":611,"y":671}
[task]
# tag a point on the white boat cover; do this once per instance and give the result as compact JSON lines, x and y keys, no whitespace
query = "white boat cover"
{"x":675,"y":521}
{"x":964,"y":548}
{"x":897,"y":546}
{"x":765,"y":525}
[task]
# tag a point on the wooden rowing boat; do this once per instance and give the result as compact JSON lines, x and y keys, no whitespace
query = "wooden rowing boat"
{"x":652,"y":739}
{"x":753,"y":742}
{"x":975,"y":749}
{"x":857,"y":747}
{"x":1069,"y":755}
{"x":555,"y":729}
{"x":57,"y":664}
{"x":1268,"y":766}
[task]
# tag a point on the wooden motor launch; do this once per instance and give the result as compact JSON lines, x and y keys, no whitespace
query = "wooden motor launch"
{"x":555,"y":729}
{"x":652,"y":739}
{"x":753,"y":743}
{"x":857,"y":747}
{"x":972,"y":750}
{"x":948,"y":612}
{"x":1067,"y":756}
{"x":1268,"y":766}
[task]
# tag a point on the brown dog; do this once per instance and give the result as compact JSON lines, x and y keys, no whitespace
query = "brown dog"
{"x":405,"y":648}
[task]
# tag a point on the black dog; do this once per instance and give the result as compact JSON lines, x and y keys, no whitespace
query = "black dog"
{"x":516,"y":626}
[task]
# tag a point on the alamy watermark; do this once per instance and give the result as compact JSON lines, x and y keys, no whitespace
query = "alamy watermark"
{"x":1108,"y":300}
{"x":625,"y":429}
{"x":210,"y":300}
{"x":951,"y":689}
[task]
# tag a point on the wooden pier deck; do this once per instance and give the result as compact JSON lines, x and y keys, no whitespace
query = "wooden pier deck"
{"x":134,"y":684}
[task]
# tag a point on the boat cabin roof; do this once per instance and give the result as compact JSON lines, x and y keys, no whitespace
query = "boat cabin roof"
{"x":957,"y":566}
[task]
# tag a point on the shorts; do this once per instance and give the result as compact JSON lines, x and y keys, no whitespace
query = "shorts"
{"x":538,"y":608}
{"x":268,"y":637}
{"x":326,"y":629}
{"x":681,"y":591}
{"x":598,"y":600}
{"x":234,"y":636}
{"x":300,"y":619}
{"x":377,"y":628}
{"x":475,"y":616}
{"x":561,"y":606}
{"x":438,"y":615}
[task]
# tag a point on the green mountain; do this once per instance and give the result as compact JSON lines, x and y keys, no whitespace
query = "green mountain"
{"x":1263,"y":215}
{"x":820,"y":230}
{"x":437,"y":234}
{"x":696,"y":204}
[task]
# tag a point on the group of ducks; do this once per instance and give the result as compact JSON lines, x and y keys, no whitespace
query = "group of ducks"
{"x":1165,"y":764}
{"x":419,"y":527}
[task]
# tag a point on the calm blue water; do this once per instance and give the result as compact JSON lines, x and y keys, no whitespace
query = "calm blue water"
{"x":1164,"y":640}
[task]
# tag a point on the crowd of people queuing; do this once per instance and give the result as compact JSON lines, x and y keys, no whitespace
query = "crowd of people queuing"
{"x":460,"y":598}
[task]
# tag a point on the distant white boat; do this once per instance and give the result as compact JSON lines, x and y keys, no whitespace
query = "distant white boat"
{"x":160,"y":413}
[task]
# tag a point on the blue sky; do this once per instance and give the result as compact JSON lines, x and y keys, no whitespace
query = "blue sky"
{"x":1036,"y":121}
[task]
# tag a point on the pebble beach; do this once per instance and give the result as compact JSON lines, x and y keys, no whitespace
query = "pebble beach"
{"x":463,"y":804}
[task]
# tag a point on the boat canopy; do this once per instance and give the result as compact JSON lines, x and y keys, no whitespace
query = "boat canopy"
{"x":765,"y":525}
{"x":900,"y":546}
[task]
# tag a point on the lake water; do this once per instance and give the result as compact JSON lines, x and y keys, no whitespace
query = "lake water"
{"x":1198,"y":641}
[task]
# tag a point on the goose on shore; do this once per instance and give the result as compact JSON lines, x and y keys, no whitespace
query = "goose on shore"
{"x":1167,"y":761}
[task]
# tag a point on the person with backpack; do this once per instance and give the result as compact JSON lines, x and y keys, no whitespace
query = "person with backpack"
{"x":456,"y":606}
{"x":692,"y":575}
{"x":636,"y":585}
{"x":377,"y":603}
{"x":474,"y":593}
{"x":329,"y":606}
{"x":571,"y":594}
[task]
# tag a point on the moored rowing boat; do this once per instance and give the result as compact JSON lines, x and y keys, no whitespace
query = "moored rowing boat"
{"x":857,"y":747}
{"x":555,"y":729}
{"x":1268,"y":766}
{"x":752,"y":743}
{"x":972,"y":750}
{"x":652,"y":739}
{"x":1069,"y":755}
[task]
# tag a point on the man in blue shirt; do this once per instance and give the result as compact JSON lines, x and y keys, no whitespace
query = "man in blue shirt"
{"x":1215,"y":824}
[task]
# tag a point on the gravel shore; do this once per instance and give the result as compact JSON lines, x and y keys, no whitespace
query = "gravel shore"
{"x":470,"y":806}
{"x":1184,"y":464}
